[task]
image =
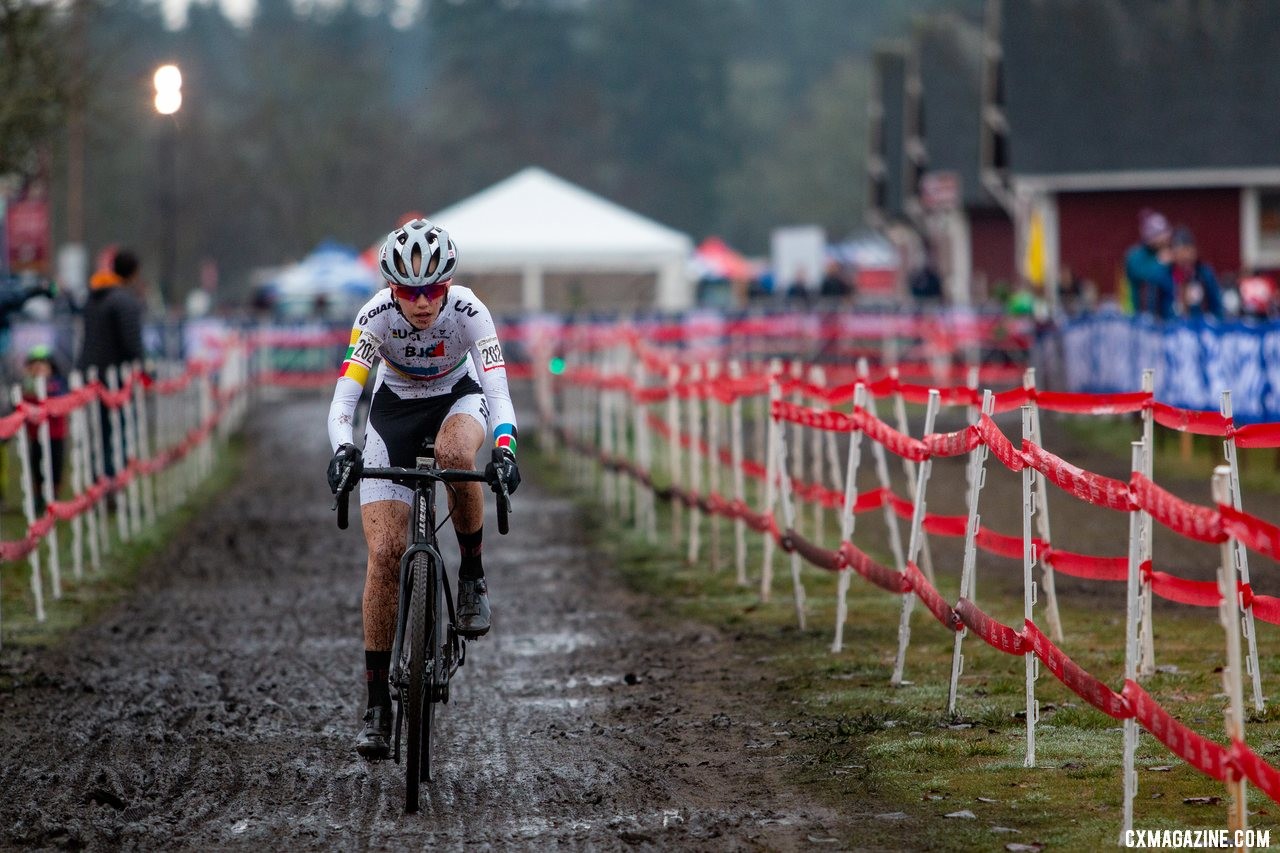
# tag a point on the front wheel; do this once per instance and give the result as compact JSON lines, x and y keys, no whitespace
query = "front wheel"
{"x":421,"y":627}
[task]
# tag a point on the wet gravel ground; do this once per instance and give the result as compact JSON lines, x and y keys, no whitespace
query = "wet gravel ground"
{"x":217,"y":707}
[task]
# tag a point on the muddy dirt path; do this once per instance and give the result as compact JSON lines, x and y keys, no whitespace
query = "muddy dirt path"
{"x":217,"y":707}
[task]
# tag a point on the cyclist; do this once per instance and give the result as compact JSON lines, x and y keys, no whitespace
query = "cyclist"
{"x":442,"y":375}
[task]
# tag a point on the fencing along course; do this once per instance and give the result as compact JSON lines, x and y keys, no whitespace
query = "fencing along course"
{"x":613,"y":402}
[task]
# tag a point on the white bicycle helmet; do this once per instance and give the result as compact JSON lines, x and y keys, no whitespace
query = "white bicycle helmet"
{"x":418,"y":240}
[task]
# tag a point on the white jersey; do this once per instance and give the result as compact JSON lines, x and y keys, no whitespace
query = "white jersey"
{"x":419,"y":363}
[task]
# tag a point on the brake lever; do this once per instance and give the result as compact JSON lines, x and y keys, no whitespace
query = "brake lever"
{"x":504,"y":509}
{"x":341,"y":498}
{"x":499,"y":487}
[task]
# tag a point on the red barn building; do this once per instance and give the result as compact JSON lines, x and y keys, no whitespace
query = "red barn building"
{"x":1077,"y":115}
{"x":1109,"y":107}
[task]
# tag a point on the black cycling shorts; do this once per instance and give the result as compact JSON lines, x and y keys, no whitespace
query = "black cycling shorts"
{"x":403,"y":425}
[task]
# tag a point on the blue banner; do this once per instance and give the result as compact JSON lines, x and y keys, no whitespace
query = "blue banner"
{"x":1195,"y":361}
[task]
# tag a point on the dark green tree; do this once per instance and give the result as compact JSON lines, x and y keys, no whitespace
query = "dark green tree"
{"x":664,"y":86}
{"x":33,"y":84}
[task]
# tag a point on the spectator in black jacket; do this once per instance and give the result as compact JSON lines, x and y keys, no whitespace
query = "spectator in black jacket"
{"x":112,"y":328}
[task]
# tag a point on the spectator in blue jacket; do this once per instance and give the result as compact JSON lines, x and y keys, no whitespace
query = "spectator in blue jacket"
{"x":1196,"y":287}
{"x":1148,"y":266}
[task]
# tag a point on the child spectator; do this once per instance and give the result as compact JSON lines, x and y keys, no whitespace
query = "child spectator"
{"x":39,"y":363}
{"x":1196,"y":287}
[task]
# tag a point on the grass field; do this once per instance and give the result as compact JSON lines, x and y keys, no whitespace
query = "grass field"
{"x":893,"y":758}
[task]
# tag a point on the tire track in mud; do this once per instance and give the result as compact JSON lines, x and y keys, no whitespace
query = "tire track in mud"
{"x":217,"y":707}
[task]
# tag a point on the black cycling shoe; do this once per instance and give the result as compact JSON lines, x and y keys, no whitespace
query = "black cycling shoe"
{"x":374,"y":740}
{"x":473,"y":607}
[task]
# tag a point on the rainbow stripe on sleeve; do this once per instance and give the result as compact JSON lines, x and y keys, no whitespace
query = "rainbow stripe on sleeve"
{"x":504,"y":435}
{"x":350,"y":368}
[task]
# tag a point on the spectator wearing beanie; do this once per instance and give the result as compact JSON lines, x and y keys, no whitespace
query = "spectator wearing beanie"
{"x":1148,"y":266}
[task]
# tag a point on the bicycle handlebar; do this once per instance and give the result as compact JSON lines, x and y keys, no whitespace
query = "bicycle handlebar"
{"x":404,"y":476}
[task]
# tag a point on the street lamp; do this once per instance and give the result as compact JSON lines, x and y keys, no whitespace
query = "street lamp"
{"x":168,"y":83}
{"x":168,"y":80}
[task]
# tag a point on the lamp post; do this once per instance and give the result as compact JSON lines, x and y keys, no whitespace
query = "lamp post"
{"x":168,"y":83}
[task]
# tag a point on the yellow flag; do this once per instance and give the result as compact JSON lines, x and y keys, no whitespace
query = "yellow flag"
{"x":1033,"y":261}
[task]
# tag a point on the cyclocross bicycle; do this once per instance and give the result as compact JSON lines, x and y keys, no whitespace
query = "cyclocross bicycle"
{"x":427,"y":650}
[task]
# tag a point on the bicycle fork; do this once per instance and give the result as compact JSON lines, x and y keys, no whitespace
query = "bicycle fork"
{"x":397,"y":675}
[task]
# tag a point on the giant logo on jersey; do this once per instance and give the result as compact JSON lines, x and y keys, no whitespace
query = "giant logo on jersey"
{"x":373,"y":312}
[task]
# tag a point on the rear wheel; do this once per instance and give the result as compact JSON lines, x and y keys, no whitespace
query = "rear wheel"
{"x":418,"y":698}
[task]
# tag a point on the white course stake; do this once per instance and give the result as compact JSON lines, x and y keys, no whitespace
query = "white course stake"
{"x":696,"y":459}
{"x":97,"y":459}
{"x":909,"y":468}
{"x":772,"y":475}
{"x":795,"y":471}
{"x":789,"y":520}
{"x":1228,"y":586}
{"x":132,"y":449}
{"x":117,"y":455}
{"x":673,"y":451}
{"x":915,"y":542}
{"x":75,"y":445}
{"x":604,"y":429}
{"x":739,"y":480}
{"x":1132,"y":649}
{"x":1242,"y":563}
{"x":1042,"y":516}
{"x":976,"y":472}
{"x":975,"y":415}
{"x":642,"y":497}
{"x":833,"y":461}
{"x":818,"y":378}
{"x":46,"y":489}
{"x":881,"y":459}
{"x":1146,"y":626}
{"x":145,"y":443}
{"x":29,"y":506}
{"x":713,"y":462}
{"x":847,"y":519}
{"x":1029,"y":556}
{"x":626,"y":449}
{"x":760,"y":431}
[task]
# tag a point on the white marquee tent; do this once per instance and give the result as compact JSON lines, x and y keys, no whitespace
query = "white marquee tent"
{"x":534,"y":223}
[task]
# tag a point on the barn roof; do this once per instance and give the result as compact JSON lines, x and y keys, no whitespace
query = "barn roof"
{"x":1097,"y":86}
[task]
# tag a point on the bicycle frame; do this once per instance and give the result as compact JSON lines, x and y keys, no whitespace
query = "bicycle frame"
{"x":444,"y":645}
{"x":423,"y":540}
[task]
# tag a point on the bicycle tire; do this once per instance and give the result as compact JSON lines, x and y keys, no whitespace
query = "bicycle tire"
{"x":435,"y":643}
{"x":418,"y":691}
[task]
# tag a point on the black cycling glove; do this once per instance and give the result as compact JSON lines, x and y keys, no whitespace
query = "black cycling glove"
{"x":348,"y":455}
{"x":511,"y":472}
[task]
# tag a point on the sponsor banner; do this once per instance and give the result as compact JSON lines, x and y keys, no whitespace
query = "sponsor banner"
{"x":1195,"y":361}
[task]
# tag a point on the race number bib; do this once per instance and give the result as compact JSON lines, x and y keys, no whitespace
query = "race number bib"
{"x":490,"y":353}
{"x":365,"y":349}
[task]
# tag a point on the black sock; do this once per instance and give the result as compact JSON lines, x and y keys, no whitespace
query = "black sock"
{"x":376,"y":665}
{"x":469,"y":544}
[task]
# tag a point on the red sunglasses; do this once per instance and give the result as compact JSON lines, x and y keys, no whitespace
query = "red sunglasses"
{"x":411,"y":294}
